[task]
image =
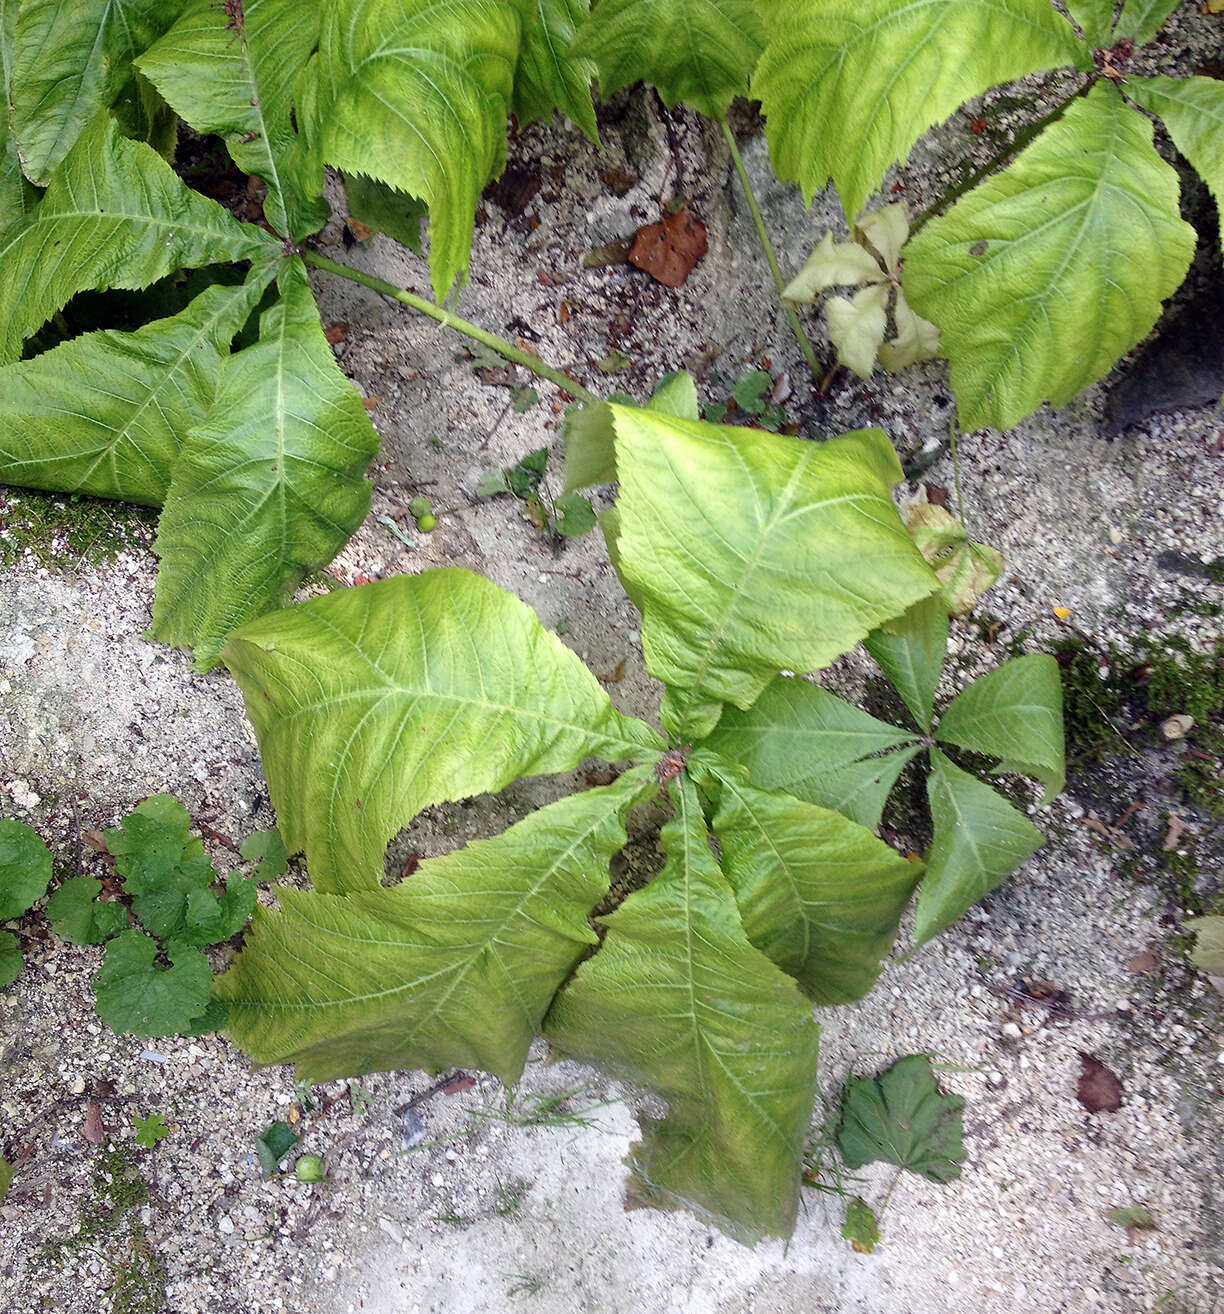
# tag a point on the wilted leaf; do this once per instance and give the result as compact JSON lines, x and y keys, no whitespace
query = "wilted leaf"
{"x":902,"y":1117}
{"x":857,"y":327}
{"x":92,"y":1129}
{"x":966,"y":570}
{"x":833,"y":264}
{"x":668,"y":250}
{"x":25,"y":868}
{"x":1097,"y":1089}
{"x":916,"y":338}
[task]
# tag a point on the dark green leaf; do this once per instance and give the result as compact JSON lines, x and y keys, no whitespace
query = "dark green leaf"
{"x":78,"y":916}
{"x":493,"y":483}
{"x":25,"y":868}
{"x":980,"y":839}
{"x":268,"y":849}
{"x":1014,"y":713}
{"x":1140,"y":20}
{"x":902,"y":1117}
{"x":910,"y":651}
{"x":575,"y":515}
{"x":273,"y":1145}
{"x":11,"y":961}
{"x":135,"y":995}
{"x":749,"y":392}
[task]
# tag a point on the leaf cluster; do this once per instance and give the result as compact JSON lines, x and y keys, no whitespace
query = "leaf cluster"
{"x":373,"y":703}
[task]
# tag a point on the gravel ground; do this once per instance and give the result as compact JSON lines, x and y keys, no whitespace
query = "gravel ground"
{"x":442,"y":1199}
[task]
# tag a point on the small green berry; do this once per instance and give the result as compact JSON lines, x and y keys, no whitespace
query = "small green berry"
{"x":427,"y":523}
{"x":419,"y":506}
{"x":309,"y":1168}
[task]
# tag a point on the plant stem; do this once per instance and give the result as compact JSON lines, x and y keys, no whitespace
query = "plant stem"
{"x":801,"y":337}
{"x":451,"y":321}
{"x":1014,"y":147}
{"x":960,"y":505}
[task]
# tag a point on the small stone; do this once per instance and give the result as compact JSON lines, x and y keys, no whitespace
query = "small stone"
{"x":438,"y":1180}
{"x":1177,"y":727}
{"x":392,"y":1229}
{"x":78,"y":1085}
{"x":1011,"y":1031}
{"x":225,"y":1225}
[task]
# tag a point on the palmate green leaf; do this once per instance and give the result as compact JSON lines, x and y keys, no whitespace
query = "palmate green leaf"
{"x":70,"y":61}
{"x":551,"y":73}
{"x":677,"y":999}
{"x":236,"y":79}
{"x":454,"y":967}
{"x":1095,"y":19}
{"x":375,"y":702}
{"x":106,"y":413}
{"x":415,"y":93}
{"x":1140,"y":20}
{"x":780,"y":584}
{"x":980,"y":839}
{"x":135,"y":995}
{"x":270,"y":486}
{"x":1044,"y":275}
{"x":1014,"y":713}
{"x":848,"y":87}
{"x":1193,"y":112}
{"x":820,"y":896}
{"x":25,"y":868}
{"x":115,"y":215}
{"x":903,"y":1117}
{"x":701,"y":52}
{"x":17,"y":196}
{"x":807,"y":742}
{"x":910,"y":651}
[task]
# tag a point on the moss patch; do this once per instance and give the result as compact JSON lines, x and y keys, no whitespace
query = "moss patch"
{"x":66,"y":532}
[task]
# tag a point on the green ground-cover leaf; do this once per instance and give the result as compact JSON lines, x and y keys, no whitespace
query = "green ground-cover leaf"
{"x":777,"y":583}
{"x":150,"y":1130}
{"x":1140,"y":20}
{"x":454,"y":967}
{"x":807,"y":742}
{"x":820,"y":896}
{"x":1044,"y":275}
{"x":162,"y":902}
{"x":148,"y":844}
{"x":135,"y":995}
{"x":268,"y":849}
{"x":552,"y":74}
{"x":11,"y":961}
{"x":270,"y":486}
{"x":77,"y":914}
{"x":25,"y":868}
{"x":375,"y":702}
{"x":273,"y":1144}
{"x":910,"y":651}
{"x":71,"y":60}
{"x":1014,"y":713}
{"x":677,"y":999}
{"x":848,"y":88}
{"x":415,"y":93}
{"x":236,"y":79}
{"x":861,"y":1228}
{"x":106,"y":413}
{"x":980,"y":839}
{"x":701,"y":52}
{"x":114,"y":216}
{"x":902,"y":1117}
{"x":1193,"y":111}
